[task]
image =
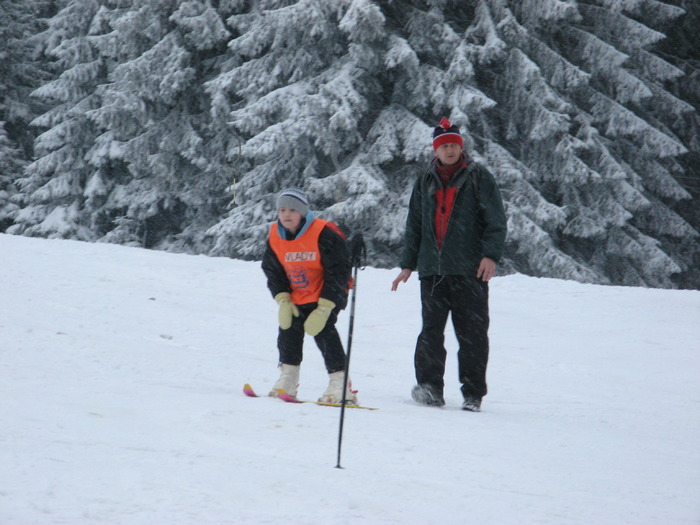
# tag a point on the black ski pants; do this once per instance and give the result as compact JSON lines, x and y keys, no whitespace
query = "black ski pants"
{"x":290,"y":342}
{"x":467,"y":299}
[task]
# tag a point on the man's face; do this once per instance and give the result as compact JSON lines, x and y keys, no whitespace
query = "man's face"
{"x":290,"y":218}
{"x":449,"y":154}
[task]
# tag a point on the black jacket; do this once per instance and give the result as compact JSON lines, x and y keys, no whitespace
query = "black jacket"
{"x":335,"y":259}
{"x":477,"y":226}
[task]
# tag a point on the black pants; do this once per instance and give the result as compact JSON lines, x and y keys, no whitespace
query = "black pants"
{"x":290,"y":342}
{"x":467,"y":299}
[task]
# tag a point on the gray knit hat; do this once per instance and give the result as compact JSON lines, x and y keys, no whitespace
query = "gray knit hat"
{"x":293,"y":198}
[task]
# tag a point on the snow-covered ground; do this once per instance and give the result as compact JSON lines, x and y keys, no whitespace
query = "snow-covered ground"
{"x":120,"y":402}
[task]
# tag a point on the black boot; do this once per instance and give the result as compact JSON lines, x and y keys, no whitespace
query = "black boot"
{"x":427,"y":395}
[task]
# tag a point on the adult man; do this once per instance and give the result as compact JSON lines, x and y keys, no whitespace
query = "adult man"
{"x":455,"y":233}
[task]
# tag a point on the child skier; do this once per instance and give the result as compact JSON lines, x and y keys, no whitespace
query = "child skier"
{"x":307,"y":265}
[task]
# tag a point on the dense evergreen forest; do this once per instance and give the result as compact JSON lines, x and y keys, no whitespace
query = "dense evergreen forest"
{"x":172,"y":124}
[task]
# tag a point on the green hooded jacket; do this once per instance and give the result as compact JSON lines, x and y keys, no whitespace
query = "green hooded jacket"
{"x":476,"y":229}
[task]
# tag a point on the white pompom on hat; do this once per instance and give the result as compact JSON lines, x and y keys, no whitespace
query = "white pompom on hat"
{"x":293,"y":198}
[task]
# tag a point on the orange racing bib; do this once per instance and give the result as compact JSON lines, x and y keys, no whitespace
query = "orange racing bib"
{"x":301,"y":260}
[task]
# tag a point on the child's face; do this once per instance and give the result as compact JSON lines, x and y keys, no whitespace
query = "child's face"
{"x":290,"y":218}
{"x":449,"y":154}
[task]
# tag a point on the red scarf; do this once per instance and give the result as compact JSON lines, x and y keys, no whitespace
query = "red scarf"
{"x":445,"y":197}
{"x":447,"y":172}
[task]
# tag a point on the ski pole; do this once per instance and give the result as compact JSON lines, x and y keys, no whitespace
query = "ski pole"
{"x":357,"y":254}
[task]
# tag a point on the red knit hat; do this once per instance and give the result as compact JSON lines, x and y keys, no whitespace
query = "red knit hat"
{"x":446,"y":133}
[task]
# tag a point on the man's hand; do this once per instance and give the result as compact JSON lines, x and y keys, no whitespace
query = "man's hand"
{"x":486,"y":269}
{"x":402,"y":278}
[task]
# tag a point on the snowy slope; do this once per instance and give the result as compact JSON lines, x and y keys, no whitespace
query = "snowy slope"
{"x":120,"y":402}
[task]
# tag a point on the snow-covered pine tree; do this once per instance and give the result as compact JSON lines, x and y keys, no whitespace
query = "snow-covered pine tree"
{"x":129,"y":155}
{"x":20,"y":73}
{"x":305,"y":78}
{"x":682,"y":49}
{"x":158,"y":164}
{"x":630,"y":109}
{"x":50,"y":193}
{"x":11,"y":164}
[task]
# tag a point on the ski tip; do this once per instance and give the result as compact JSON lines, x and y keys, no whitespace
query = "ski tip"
{"x":248,"y":390}
{"x":286,"y":397}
